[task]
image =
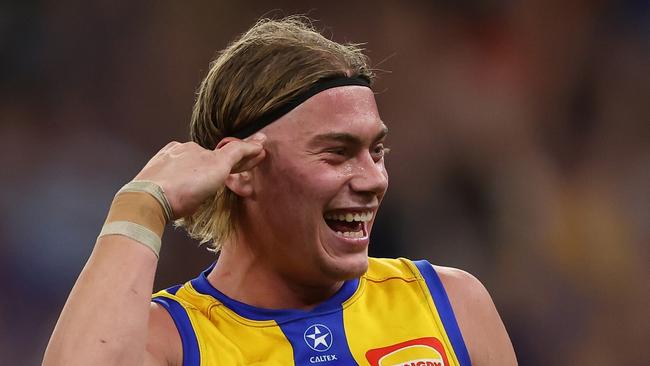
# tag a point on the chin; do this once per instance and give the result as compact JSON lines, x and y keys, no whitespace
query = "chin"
{"x":346,"y":268}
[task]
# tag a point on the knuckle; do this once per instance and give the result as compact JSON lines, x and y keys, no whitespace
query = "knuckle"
{"x":193,"y":146}
{"x":170,"y":145}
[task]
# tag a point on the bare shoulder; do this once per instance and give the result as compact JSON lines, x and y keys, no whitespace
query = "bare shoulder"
{"x":164,"y":345}
{"x":464,"y":290}
{"x":485,"y":335}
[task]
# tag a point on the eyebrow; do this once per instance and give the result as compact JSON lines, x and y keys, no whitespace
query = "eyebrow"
{"x":345,"y":137}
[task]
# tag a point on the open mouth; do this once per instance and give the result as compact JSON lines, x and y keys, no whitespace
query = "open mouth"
{"x":349,"y":224}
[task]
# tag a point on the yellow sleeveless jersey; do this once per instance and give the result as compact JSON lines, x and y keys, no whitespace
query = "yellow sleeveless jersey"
{"x":396,"y":314}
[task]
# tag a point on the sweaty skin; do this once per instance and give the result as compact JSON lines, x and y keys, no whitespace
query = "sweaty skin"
{"x":325,"y":156}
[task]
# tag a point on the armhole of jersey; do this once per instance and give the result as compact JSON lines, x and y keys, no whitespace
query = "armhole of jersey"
{"x":191,"y":354}
{"x":445,"y":310}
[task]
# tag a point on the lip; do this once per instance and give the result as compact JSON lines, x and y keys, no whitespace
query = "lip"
{"x":351,"y":245}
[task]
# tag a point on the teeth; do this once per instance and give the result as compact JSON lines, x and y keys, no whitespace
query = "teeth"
{"x":349,"y":217}
{"x":351,"y":234}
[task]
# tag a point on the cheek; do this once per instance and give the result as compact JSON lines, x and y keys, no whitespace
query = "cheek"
{"x":295,"y":198}
{"x":384,"y":171}
{"x":345,"y":171}
{"x":313,"y":182}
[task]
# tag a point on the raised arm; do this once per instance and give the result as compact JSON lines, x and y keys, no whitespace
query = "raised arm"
{"x":108,"y":318}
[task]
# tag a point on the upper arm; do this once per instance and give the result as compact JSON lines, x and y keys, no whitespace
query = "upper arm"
{"x":164,"y":345}
{"x":485,"y":335}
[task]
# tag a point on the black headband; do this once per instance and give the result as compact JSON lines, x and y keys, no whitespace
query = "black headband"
{"x":274,"y":114}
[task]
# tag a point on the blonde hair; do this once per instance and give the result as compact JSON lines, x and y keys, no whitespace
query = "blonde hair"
{"x":261,"y":70}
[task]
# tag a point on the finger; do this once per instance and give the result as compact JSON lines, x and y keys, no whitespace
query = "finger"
{"x":257,"y":137}
{"x":249,"y":163}
{"x":235,"y":151}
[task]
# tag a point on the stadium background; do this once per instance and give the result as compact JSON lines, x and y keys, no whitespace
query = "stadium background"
{"x":519,"y":129}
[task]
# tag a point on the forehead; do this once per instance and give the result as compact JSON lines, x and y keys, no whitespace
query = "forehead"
{"x":346,"y":109}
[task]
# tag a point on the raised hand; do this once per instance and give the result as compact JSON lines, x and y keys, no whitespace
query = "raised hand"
{"x":190,"y":174}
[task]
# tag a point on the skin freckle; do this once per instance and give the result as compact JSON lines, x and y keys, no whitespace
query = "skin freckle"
{"x":347,"y":170}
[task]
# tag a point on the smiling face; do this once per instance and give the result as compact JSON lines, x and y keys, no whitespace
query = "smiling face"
{"x":318,"y":190}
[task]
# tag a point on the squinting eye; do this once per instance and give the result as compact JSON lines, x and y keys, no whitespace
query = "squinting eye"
{"x":380,"y":151}
{"x":336,"y":151}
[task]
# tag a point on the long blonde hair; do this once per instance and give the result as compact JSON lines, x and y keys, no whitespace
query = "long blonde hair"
{"x":262,"y":69}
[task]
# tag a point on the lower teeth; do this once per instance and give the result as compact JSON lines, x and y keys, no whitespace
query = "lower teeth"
{"x":354,"y":234}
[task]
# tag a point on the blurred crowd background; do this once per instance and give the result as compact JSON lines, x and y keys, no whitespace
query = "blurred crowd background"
{"x":520,"y":136}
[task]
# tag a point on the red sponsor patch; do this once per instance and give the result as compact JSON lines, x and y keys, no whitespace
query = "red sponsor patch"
{"x":427,"y":351}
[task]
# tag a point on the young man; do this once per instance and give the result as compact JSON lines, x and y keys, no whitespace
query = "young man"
{"x":284,"y":177}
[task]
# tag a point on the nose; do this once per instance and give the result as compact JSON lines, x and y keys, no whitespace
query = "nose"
{"x":370,"y":177}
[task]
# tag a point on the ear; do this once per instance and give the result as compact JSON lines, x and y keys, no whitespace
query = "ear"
{"x":240,"y":183}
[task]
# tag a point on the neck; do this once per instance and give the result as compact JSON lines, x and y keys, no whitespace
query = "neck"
{"x":245,"y":275}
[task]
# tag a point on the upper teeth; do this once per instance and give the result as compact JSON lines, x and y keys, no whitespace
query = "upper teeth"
{"x":349,"y":217}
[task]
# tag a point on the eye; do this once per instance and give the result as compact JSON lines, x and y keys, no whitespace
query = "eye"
{"x":340,"y":151}
{"x":379,"y":151}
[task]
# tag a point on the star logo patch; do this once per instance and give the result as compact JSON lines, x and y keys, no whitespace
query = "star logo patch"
{"x":318,"y":337}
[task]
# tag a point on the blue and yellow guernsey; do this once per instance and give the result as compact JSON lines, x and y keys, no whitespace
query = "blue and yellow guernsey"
{"x":396,"y":314}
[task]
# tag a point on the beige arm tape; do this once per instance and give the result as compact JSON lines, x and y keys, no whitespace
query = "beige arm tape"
{"x":153,"y":189}
{"x":139,"y":211}
{"x":134,"y":231}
